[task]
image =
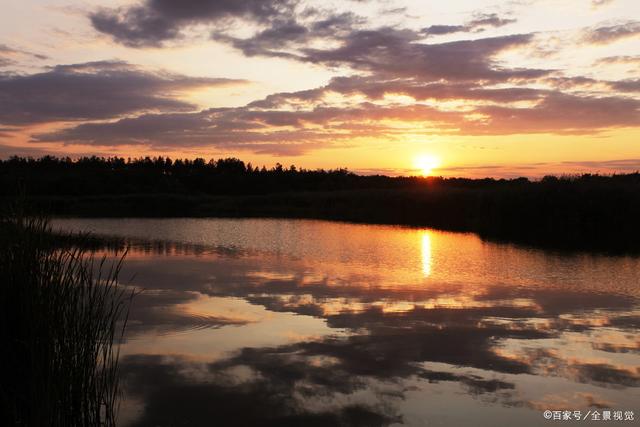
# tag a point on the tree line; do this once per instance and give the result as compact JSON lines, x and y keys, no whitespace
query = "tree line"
{"x":50,"y":175}
{"x":591,"y":212}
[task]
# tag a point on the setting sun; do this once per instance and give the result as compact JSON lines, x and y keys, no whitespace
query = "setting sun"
{"x":426,"y":164}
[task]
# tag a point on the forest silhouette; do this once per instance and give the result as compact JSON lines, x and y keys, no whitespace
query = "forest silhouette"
{"x":583,"y":212}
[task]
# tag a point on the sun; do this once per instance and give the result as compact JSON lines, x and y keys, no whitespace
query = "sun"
{"x":427,"y":163}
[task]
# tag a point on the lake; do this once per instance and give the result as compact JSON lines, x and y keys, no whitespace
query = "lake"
{"x":301,"y":323}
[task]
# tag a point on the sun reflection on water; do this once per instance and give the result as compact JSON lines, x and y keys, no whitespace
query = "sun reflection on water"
{"x":426,"y":254}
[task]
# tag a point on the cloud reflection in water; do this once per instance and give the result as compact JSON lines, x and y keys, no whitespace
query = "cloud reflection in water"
{"x":476,"y":331}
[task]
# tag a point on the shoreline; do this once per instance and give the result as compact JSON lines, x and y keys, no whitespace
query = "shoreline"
{"x":562,"y":235}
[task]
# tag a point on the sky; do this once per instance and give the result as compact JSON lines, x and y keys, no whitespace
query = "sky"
{"x":454,"y":88}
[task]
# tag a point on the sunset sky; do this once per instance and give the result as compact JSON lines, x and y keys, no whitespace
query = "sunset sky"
{"x":463,"y":87}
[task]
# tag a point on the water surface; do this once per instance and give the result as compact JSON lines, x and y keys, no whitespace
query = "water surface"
{"x":292,"y":322}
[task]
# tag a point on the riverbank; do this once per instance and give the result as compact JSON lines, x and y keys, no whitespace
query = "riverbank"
{"x":587,"y":212}
{"x":562,"y":215}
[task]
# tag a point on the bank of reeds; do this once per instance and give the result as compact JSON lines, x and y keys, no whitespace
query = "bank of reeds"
{"x":61,"y":320}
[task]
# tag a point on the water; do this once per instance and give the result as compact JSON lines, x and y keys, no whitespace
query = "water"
{"x":289,"y":322}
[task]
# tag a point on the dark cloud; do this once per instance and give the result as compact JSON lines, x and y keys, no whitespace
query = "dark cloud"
{"x":578,"y":82}
{"x":272,"y":131}
{"x":171,"y":396}
{"x":94,"y":90}
{"x":567,"y":83}
{"x":394,"y":10}
{"x":353,"y":362}
{"x":155,"y":21}
{"x":134,"y":27}
{"x":554,"y":303}
{"x":4,"y":131}
{"x":159,"y":312}
{"x":5,"y":62}
{"x":397,"y":53}
{"x":436,"y":30}
{"x":612,"y":33}
{"x":283,"y":34}
{"x":490,"y":20}
{"x":475,"y":384}
{"x":9,"y":55}
{"x":617,"y":348}
{"x":625,"y":59}
{"x":605,"y":374}
{"x":392,"y":52}
{"x":559,"y":113}
{"x":4,"y":49}
{"x":10,"y":51}
{"x":631,"y":85}
{"x":265,"y":42}
{"x":274,"y":125}
{"x":550,"y":363}
{"x":285,"y":366}
{"x":480,"y":22}
{"x":394,"y":353}
{"x":628,"y":322}
{"x":375,"y":88}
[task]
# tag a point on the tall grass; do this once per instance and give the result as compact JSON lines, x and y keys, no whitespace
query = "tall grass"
{"x":62,"y":316}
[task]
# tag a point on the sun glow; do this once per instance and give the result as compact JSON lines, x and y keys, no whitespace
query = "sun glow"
{"x":427,"y":163}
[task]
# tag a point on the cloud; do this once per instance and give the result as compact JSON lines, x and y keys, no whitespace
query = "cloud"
{"x":392,"y":52}
{"x":155,"y":21}
{"x":476,"y":384}
{"x":297,"y":122}
{"x":290,"y":33}
{"x":428,"y":341}
{"x":94,"y":90}
{"x":174,"y":389}
{"x":624,"y":59}
{"x":161,"y":311}
{"x":598,"y":3}
{"x":489,"y":20}
{"x":8,"y":55}
{"x":5,"y":52}
{"x":626,"y":165}
{"x":284,"y":29}
{"x":479,"y":23}
{"x":4,"y":49}
{"x":572,"y":83}
{"x":439,"y":29}
{"x":375,"y":88}
{"x":559,"y":113}
{"x":488,"y":97}
{"x":9,"y":51}
{"x":611,"y":33}
{"x":630,"y":85}
{"x":372,"y":362}
{"x":265,"y":131}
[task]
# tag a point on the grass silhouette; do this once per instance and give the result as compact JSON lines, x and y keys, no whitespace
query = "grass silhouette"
{"x":63,"y":314}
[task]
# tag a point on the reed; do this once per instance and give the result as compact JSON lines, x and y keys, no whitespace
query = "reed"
{"x":63,"y":315}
